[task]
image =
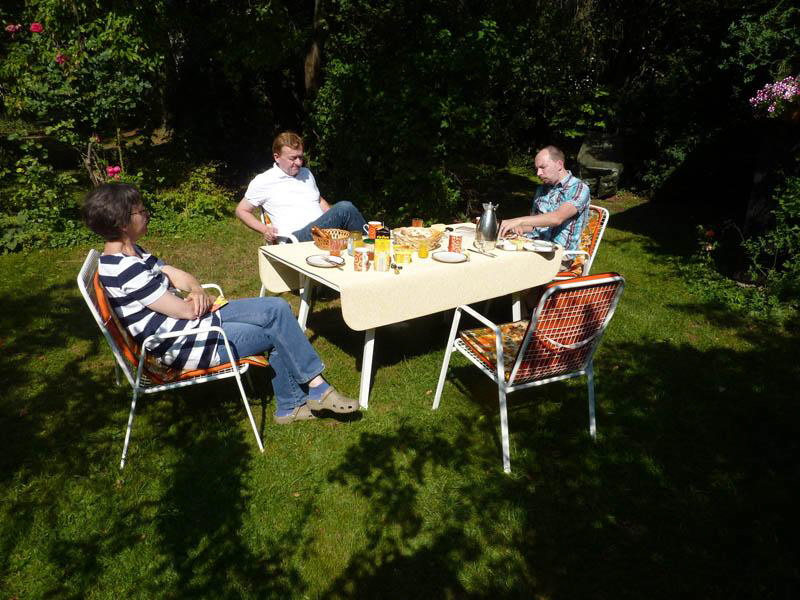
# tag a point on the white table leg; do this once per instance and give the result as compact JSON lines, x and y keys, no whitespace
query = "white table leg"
{"x":305,"y":301}
{"x":366,"y":368}
{"x":516,"y":306}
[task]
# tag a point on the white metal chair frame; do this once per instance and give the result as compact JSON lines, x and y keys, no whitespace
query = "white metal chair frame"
{"x":587,"y":266}
{"x":497,"y":373}
{"x":516,"y":299}
{"x":140,"y":382}
{"x":282,"y":239}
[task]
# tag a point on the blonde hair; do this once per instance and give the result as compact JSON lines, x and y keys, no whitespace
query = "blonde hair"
{"x":286,"y":138}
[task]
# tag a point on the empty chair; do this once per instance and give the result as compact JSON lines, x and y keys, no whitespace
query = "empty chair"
{"x":557,"y":343}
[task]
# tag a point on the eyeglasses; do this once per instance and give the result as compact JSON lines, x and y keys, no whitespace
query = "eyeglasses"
{"x":144,"y":211}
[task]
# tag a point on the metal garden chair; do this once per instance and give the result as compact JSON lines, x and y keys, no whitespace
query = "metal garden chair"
{"x":557,"y":343}
{"x":144,"y":372}
{"x":590,"y":241}
{"x":583,"y":258}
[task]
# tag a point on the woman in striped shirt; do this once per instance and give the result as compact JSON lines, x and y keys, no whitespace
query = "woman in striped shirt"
{"x":140,"y":288}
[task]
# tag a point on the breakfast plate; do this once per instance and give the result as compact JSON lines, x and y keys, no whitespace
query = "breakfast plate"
{"x":539,"y":246}
{"x":449,"y":257}
{"x":325,"y":261}
{"x":511,"y":244}
{"x":522,"y":243}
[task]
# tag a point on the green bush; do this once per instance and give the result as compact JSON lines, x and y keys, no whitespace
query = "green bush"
{"x":40,"y":209}
{"x":192,"y":206}
{"x":199,"y":195}
{"x":774,"y":258}
{"x":772,"y":272}
{"x":79,"y":75}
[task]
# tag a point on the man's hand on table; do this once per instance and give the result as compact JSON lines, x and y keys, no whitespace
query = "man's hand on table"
{"x":517,"y":226}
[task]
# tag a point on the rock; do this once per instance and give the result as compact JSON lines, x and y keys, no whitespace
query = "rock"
{"x":600,"y":164}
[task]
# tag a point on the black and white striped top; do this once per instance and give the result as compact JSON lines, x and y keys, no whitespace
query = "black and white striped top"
{"x":133,"y":282}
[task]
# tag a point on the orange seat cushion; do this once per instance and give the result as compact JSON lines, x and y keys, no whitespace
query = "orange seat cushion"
{"x":482,"y":343}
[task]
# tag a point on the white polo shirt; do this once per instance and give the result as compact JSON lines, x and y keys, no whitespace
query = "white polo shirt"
{"x":290,"y":202}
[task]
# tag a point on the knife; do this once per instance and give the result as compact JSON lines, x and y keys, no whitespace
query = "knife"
{"x":480,"y":252}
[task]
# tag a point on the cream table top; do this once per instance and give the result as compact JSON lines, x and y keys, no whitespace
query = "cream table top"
{"x":371,"y":299}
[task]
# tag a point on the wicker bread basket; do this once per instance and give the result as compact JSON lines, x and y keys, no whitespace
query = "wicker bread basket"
{"x":322,"y":237}
{"x":413,"y":236}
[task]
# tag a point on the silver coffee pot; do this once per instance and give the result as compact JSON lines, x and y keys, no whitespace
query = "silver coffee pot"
{"x":486,"y":230}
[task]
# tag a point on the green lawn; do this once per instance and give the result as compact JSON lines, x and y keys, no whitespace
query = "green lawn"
{"x":686,"y":492}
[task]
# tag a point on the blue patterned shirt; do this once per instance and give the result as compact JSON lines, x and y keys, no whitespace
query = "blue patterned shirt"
{"x":549,"y":198}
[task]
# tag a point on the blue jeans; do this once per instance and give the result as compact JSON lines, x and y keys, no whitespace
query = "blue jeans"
{"x":260,"y":325}
{"x":342,"y":215}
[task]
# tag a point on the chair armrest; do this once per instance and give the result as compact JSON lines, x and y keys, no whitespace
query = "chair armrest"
{"x":158,"y":337}
{"x":498,"y":336}
{"x":173,"y":334}
{"x":480,"y":317}
{"x":206,"y":286}
{"x":287,"y":239}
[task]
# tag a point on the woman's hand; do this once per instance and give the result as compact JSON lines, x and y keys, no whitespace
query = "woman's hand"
{"x":200,"y":302}
{"x":193,"y":306}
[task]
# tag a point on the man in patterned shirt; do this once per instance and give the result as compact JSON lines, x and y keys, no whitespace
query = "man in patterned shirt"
{"x":560,"y":206}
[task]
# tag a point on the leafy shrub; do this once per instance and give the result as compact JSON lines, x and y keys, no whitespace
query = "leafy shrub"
{"x":772,"y":259}
{"x":41,"y":210}
{"x":192,"y":206}
{"x":79,"y":75}
{"x":199,"y":195}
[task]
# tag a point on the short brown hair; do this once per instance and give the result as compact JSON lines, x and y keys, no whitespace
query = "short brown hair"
{"x":555,"y":153}
{"x":107,"y":209}
{"x":286,"y":138}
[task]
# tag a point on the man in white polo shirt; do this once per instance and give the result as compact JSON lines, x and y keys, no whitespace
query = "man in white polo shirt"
{"x":289,"y":195}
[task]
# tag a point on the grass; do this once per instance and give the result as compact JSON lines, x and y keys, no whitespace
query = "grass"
{"x":686,"y":493}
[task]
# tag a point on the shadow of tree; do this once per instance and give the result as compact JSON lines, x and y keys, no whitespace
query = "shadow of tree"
{"x":393,"y":343}
{"x":54,"y":415}
{"x":688,"y":491}
{"x":200,"y":523}
{"x":62,"y":422}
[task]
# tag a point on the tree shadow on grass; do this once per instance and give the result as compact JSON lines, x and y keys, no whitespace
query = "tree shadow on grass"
{"x":179,"y":504}
{"x":54,"y":414}
{"x":393,"y":343}
{"x":688,"y":491}
{"x":670,"y":229}
{"x":200,"y":524}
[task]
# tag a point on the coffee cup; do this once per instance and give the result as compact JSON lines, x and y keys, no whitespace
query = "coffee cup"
{"x":371,"y":228}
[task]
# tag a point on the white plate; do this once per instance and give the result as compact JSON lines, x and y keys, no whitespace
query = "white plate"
{"x":324,"y":261}
{"x":540,"y":246}
{"x":507,"y":245}
{"x":449,"y":257}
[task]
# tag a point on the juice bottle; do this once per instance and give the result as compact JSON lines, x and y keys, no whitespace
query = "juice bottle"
{"x":382,"y":240}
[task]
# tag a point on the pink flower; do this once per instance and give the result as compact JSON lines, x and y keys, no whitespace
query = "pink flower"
{"x":113,"y":171}
{"x":60,"y":58}
{"x":36,"y":27}
{"x":12,"y":28}
{"x":709,"y":233}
